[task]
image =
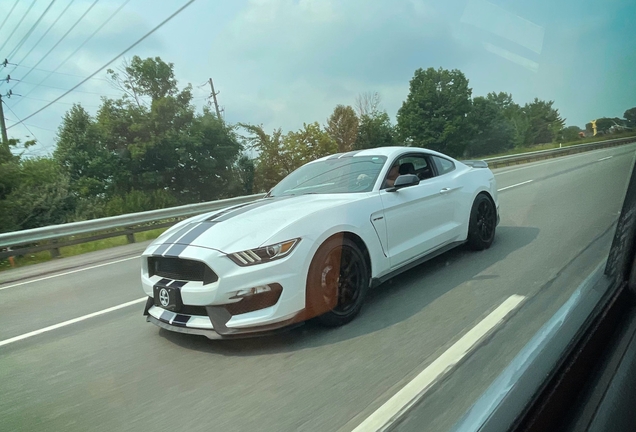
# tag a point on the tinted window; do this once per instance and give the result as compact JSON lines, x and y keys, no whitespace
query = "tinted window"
{"x":443,"y":165}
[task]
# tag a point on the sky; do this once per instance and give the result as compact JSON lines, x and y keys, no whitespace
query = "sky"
{"x":282,"y":63}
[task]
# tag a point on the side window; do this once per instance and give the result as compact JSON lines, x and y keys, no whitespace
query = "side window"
{"x":443,"y":165}
{"x":411,"y":164}
{"x":418,"y":165}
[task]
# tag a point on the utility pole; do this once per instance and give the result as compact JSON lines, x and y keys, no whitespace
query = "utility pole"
{"x":3,"y":126}
{"x":216,"y":103}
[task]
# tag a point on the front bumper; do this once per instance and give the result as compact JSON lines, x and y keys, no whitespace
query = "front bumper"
{"x":213,"y":325}
{"x":211,"y":299}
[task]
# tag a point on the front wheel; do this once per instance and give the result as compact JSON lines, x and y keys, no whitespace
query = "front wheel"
{"x":337,"y":282}
{"x":482,"y":223}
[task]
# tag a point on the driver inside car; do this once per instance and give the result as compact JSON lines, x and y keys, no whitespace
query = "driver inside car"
{"x":393,"y":174}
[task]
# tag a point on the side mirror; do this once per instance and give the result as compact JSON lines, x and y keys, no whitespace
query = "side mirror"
{"x":403,"y":181}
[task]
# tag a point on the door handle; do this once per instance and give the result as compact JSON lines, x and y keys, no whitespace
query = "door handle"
{"x":445,"y":191}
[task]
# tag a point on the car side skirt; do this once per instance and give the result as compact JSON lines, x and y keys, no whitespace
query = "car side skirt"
{"x":376,"y":281}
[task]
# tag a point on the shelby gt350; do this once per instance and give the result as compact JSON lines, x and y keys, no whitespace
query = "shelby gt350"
{"x":317,"y":242}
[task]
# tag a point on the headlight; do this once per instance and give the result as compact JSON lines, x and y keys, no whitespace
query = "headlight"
{"x":264,"y":254}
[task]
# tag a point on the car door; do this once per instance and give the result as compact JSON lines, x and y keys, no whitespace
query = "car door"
{"x":418,"y":218}
{"x":451,"y":189}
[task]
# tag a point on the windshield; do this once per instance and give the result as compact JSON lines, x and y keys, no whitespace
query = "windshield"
{"x":346,"y":175}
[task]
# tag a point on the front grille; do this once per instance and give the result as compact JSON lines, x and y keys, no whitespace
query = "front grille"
{"x":180,"y":269}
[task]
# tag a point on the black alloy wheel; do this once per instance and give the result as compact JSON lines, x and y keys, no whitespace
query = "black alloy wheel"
{"x":482,"y":224}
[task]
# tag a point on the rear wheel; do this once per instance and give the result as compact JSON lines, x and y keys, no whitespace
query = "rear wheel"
{"x":482,"y":224}
{"x":337,"y":282}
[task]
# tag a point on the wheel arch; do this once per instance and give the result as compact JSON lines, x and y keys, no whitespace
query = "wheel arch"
{"x":313,"y":305}
{"x":358,"y":241}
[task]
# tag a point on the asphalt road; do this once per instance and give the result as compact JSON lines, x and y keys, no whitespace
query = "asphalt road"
{"x":117,"y":372}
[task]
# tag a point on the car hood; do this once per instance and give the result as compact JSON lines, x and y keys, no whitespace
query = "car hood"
{"x":250,"y":225}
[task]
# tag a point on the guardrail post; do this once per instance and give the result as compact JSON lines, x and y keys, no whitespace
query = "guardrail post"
{"x":55,"y":251}
{"x":130,"y":237}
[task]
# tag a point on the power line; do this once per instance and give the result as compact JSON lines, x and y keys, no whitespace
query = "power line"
{"x":42,"y":37}
{"x":38,"y":127}
{"x":25,"y":126}
{"x":28,"y":33}
{"x":63,"y":103}
{"x":16,"y":27}
{"x":58,"y":73}
{"x":161,"y":24}
{"x":9,"y":14}
{"x":79,"y":47}
{"x":54,"y":87}
{"x":61,"y":39}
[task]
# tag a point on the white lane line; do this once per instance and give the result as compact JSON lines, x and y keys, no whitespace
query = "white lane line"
{"x":514,"y":185}
{"x":67,"y":273}
{"x":71,"y":321}
{"x":392,"y":409}
{"x":605,"y":158}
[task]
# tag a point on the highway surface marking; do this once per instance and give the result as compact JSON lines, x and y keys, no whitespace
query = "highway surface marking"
{"x":383,"y":417}
{"x":71,"y":321}
{"x":605,"y":158}
{"x":67,"y":273}
{"x":514,"y":185}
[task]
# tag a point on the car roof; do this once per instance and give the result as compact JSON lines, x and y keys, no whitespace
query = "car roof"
{"x":389,"y":152}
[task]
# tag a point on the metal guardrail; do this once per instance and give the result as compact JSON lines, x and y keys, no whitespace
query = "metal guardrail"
{"x":130,"y":223}
{"x":515,"y":159}
{"x":53,"y":237}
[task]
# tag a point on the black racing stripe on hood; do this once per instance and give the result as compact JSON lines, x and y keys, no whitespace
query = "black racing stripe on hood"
{"x":191,"y":236}
{"x":179,"y":243}
{"x":219,"y":214}
{"x":173,"y":238}
{"x":250,"y":207}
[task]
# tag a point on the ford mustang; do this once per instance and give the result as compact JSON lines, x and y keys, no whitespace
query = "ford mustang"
{"x":317,"y":242}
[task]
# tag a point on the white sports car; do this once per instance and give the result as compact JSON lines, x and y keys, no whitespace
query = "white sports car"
{"x":316,"y":243}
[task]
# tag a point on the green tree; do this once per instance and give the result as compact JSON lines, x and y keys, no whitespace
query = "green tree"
{"x":40,"y":197}
{"x":279,"y":155}
{"x":375,"y":130}
{"x":491,"y":131}
{"x":630,"y":117}
{"x":80,"y":152}
{"x":569,"y":134}
{"x":147,"y":149}
{"x":140,"y":78}
{"x":309,"y":143}
{"x":270,"y":166}
{"x":342,"y":127}
{"x":434,"y":114}
{"x":514,"y":114}
{"x":245,"y":173}
{"x":544,"y":122}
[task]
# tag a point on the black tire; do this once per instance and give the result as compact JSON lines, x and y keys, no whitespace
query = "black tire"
{"x":482,"y":223}
{"x":334,"y":299}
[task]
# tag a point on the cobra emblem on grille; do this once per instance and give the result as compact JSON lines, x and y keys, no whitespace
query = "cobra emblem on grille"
{"x":164,"y":298}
